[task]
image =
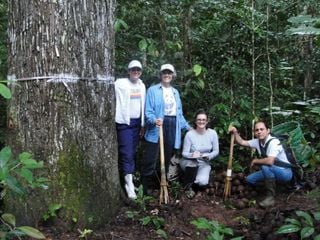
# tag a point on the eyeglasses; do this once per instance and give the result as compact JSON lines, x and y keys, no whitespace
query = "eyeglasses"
{"x":166,"y":72}
{"x":135,"y":69}
{"x":259,"y":129}
{"x":201,"y":120}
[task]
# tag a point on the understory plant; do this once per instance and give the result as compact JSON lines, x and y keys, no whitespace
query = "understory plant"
{"x":217,"y":231}
{"x":146,"y":220}
{"x":16,"y":177}
{"x":303,"y":224}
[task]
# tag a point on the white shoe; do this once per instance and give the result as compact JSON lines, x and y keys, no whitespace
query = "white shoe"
{"x":129,"y":186}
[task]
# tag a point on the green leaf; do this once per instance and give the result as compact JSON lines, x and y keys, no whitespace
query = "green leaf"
{"x":143,"y":44}
{"x":145,"y":220}
{"x":5,"y":155}
{"x":202,"y":223}
{"x":316,"y":216}
{"x":197,"y":69}
{"x":162,"y":233}
{"x":14,"y":185}
{"x":228,"y":231}
{"x":30,"y":163}
{"x":307,"y":217}
{"x":9,"y":218}
{"x":31,"y":232}
{"x":119,"y":23}
{"x":306,"y":232}
{"x":26,"y":174}
{"x":293,"y":221}
{"x":5,"y":91}
{"x":25,"y":156}
{"x":302,"y":19}
{"x":289,"y":228}
{"x":200,"y":84}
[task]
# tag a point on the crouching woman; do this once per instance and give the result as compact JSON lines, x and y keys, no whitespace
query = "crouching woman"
{"x":200,"y":146}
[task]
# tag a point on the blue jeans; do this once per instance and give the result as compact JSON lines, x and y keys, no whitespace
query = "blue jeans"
{"x":128,"y":139}
{"x":267,"y":172}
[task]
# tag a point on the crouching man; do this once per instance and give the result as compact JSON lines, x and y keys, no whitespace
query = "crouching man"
{"x":269,"y":172}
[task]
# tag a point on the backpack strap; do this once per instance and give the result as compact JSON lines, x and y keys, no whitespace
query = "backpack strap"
{"x":263,"y":150}
{"x":277,"y":162}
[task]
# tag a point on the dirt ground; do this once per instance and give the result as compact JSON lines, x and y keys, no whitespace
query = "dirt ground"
{"x":249,"y":221}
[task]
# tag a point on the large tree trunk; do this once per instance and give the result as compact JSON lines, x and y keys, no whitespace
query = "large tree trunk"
{"x":61,"y":56}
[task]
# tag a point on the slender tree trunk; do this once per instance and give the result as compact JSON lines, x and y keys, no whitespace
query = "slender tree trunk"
{"x":62,"y":110}
{"x":269,"y":71}
{"x":253,"y":40}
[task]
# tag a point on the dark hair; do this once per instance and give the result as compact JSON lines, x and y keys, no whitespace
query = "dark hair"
{"x":264,"y":122}
{"x":200,"y":111}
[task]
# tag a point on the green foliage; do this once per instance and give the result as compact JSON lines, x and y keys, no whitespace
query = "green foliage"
{"x":152,"y":219}
{"x":52,"y":211}
{"x":3,"y":38}
{"x":156,"y":222}
{"x":216,"y":230}
{"x":174,"y":189}
{"x":4,"y":90}
{"x":304,"y":223}
{"x":17,"y":175}
{"x":142,"y":199}
{"x":85,"y":233}
{"x":303,"y":151}
{"x":9,"y":230}
{"x":133,"y":214}
{"x":210,"y":44}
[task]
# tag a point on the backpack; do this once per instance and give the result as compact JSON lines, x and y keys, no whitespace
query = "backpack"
{"x":297,"y":180}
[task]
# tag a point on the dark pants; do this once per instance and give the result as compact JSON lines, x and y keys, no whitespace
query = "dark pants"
{"x":150,"y":163}
{"x":128,"y":139}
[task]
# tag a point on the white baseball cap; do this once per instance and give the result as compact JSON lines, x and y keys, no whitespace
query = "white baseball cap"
{"x":134,"y":63}
{"x":167,"y":67}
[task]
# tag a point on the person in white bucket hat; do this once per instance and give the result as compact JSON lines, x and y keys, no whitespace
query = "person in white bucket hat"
{"x":163,"y":107}
{"x":130,"y":101}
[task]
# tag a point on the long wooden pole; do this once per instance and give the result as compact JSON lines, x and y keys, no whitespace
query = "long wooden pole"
{"x":164,"y":196}
{"x":227,"y":186}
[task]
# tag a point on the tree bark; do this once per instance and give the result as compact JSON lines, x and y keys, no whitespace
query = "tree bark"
{"x":61,"y":57}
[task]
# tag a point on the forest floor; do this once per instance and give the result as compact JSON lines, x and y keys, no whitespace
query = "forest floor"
{"x":140,"y":220}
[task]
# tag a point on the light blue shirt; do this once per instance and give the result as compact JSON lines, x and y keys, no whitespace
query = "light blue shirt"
{"x":154,"y":109}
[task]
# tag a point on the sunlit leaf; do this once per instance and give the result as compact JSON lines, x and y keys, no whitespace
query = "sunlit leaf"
{"x":119,"y":23}
{"x":31,"y":232}
{"x":9,"y":218}
{"x":197,"y":69}
{"x":306,"y":232}
{"x":5,"y":155}
{"x":307,"y":217}
{"x":289,"y":228}
{"x":5,"y":91}
{"x":143,"y":44}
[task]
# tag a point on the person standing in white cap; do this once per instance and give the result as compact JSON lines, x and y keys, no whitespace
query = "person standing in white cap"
{"x":163,"y":107}
{"x":130,"y":101}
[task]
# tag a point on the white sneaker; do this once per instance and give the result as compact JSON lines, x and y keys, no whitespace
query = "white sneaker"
{"x":129,"y":186}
